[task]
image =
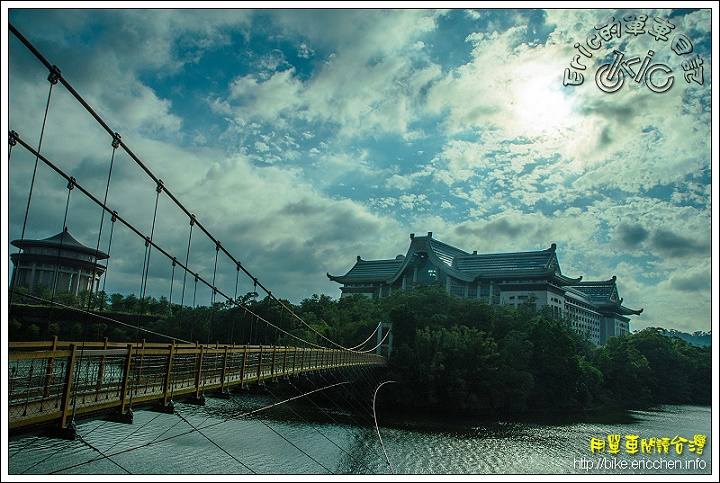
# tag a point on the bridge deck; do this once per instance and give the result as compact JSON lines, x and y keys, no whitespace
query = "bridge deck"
{"x":55,"y":382}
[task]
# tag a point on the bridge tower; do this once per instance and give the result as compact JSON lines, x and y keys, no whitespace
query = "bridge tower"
{"x":384,"y":347}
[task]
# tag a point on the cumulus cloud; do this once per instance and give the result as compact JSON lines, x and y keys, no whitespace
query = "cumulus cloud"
{"x":674,"y":245}
{"x":306,"y":137}
{"x":632,"y":236}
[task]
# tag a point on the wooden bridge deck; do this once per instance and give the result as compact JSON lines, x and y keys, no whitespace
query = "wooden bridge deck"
{"x":56,"y":382}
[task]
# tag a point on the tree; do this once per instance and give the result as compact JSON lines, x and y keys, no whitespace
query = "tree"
{"x":625,"y":372}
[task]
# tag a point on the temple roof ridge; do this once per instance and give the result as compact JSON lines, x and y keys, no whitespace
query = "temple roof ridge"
{"x":63,"y":239}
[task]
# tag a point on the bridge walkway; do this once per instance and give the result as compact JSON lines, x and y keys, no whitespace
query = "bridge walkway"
{"x":54,"y":383}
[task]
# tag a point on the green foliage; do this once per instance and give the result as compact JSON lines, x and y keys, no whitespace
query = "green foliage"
{"x":450,"y":354}
{"x":649,"y":367}
{"x":455,"y":354}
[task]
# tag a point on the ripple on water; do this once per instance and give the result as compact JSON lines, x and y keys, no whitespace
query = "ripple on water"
{"x":218,"y":439}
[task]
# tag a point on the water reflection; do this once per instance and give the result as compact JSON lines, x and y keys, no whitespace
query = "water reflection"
{"x":231,"y":436}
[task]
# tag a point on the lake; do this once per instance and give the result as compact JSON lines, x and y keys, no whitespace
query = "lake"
{"x":225,"y":438}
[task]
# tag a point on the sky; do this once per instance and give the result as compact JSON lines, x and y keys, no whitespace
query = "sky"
{"x":303,"y":138}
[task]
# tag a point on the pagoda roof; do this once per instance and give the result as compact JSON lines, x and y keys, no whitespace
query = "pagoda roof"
{"x":540,"y":263}
{"x":604,"y":294}
{"x":459,"y":264}
{"x":63,"y":239}
{"x":369,"y":271}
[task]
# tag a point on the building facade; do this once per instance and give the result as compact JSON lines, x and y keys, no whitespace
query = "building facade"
{"x":593,"y":307}
{"x":60,"y":263}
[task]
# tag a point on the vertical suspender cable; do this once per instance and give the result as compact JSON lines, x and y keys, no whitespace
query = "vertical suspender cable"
{"x":148,"y":250}
{"x":172,"y":282}
{"x":232,"y":314}
{"x":254,"y":312}
{"x":56,"y":273}
{"x":112,"y":229}
{"x":192,"y":316}
{"x":214,"y":290}
{"x":187,"y":258}
{"x":115,"y":144}
{"x":53,"y":78}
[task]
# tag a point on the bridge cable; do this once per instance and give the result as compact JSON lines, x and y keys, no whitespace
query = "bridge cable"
{"x":30,"y":442}
{"x":214,"y":443}
{"x":115,"y":217}
{"x":130,"y":226}
{"x":24,"y":448}
{"x":56,"y":276}
{"x":59,"y":450}
{"x":103,"y":317}
{"x":146,"y":238}
{"x":294,"y":445}
{"x":381,"y":343}
{"x":378,"y":428}
{"x":232,"y":315}
{"x":349,"y":402}
{"x":318,"y":431}
{"x":356,"y":410}
{"x":53,"y":79}
{"x":185,"y":272}
{"x":337,"y":422}
{"x":103,"y":454}
{"x":93,"y":286}
{"x":368,"y":339}
{"x":149,"y":173}
{"x":11,"y":144}
{"x":63,"y":233}
{"x":148,"y":252}
{"x":192,"y":318}
{"x":216,"y":423}
{"x":71,"y":185}
{"x":212,"y":295}
{"x":107,"y":264}
{"x":172,"y":282}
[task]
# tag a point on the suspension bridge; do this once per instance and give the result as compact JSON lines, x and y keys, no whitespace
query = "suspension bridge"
{"x":52,"y":384}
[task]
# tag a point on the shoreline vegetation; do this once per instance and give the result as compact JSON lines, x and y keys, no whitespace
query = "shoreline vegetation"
{"x":451,"y":356}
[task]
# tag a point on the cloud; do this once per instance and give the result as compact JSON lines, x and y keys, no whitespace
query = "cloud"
{"x":303,"y":138}
{"x":632,"y":236}
{"x":266,"y":99}
{"x":693,"y":280}
{"x":673,"y":245}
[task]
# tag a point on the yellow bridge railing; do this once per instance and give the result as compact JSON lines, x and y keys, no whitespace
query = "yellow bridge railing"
{"x":56,"y":382}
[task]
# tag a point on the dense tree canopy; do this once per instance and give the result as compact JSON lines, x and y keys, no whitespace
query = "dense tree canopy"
{"x":449,"y":354}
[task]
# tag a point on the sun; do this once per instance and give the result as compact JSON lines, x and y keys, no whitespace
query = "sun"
{"x":539,"y":106}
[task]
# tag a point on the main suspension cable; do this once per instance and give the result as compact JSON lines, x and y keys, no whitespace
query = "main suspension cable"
{"x":79,"y":98}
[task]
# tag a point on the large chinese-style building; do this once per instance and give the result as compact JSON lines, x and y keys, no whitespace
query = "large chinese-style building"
{"x":593,"y":307}
{"x":60,"y":263}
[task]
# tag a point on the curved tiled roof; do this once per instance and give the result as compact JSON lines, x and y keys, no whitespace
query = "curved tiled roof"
{"x":509,"y":263}
{"x":445,"y":252}
{"x":459,"y":264}
{"x":369,"y":271}
{"x":63,"y":239}
{"x":605,"y":295}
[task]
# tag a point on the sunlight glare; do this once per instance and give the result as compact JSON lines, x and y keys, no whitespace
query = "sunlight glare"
{"x":539,"y":102}
{"x":542,"y":110}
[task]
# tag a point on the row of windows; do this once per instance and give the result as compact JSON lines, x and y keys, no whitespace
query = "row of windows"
{"x":64,"y":253}
{"x":46,"y":267}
